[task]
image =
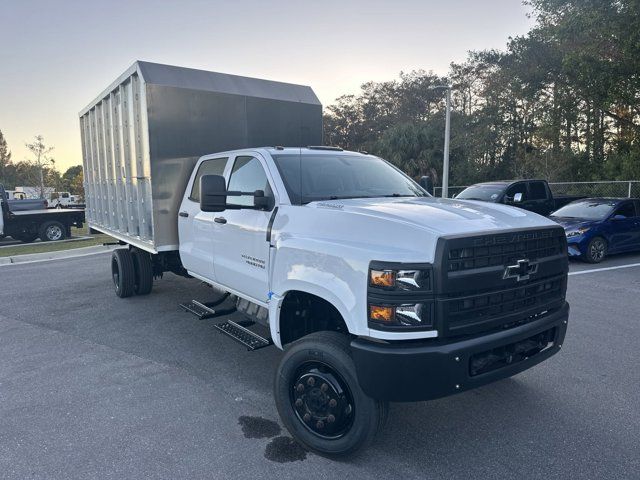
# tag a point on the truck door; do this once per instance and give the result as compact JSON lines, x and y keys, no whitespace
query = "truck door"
{"x":195,"y":227}
{"x":241,"y":248}
{"x":539,"y":198}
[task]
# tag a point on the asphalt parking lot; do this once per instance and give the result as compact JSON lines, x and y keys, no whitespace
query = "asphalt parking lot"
{"x":92,"y":386}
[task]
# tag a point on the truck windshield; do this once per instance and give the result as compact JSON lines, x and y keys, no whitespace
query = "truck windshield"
{"x":309,"y":177}
{"x":586,"y":209}
{"x":486,"y":193}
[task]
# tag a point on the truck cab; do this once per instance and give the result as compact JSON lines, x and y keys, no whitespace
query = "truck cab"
{"x":533,"y":195}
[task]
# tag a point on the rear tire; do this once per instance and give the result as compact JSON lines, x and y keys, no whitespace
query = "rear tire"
{"x":319,"y":399}
{"x":596,"y":250}
{"x":143,"y":272}
{"x":52,"y":232}
{"x":123,"y":272}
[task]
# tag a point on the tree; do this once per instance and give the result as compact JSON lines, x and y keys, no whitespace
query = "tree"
{"x":72,"y":180}
{"x":561,"y":102}
{"x":41,"y":159}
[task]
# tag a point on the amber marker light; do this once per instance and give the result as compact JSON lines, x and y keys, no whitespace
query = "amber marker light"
{"x":381,"y":314}
{"x":382,"y":278}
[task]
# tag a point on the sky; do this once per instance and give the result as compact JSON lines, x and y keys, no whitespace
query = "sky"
{"x":56,"y":56}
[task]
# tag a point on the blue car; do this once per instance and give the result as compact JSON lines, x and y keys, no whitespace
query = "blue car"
{"x":597,"y":227}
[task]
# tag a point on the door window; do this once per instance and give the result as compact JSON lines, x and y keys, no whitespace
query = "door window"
{"x":517,"y":188}
{"x":215,"y":166}
{"x":627,"y":210}
{"x":247,"y":176}
{"x":537,"y":191}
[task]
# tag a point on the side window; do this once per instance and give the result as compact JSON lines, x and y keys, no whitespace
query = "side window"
{"x":247,"y":176}
{"x":537,"y":191}
{"x":215,"y":166}
{"x":627,"y":209}
{"x":517,"y":188}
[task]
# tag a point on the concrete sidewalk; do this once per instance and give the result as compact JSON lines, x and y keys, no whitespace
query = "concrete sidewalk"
{"x":57,"y":255}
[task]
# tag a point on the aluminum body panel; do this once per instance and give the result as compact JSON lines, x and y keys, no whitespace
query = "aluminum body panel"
{"x":142,"y":136}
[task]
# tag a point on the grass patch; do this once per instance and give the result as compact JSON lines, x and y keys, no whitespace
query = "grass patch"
{"x":38,"y":247}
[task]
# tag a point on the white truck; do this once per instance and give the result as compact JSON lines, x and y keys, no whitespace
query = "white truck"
{"x":375,"y":290}
{"x":64,"y":200}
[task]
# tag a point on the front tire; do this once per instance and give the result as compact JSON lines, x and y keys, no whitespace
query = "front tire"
{"x":26,"y":237}
{"x":123,"y":272}
{"x":596,"y":250}
{"x":319,"y":399}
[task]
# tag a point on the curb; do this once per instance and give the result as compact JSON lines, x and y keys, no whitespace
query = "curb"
{"x":20,"y":244}
{"x":59,"y":255}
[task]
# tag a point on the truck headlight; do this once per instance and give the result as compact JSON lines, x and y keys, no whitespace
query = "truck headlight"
{"x":402,"y":315}
{"x":401,"y":279}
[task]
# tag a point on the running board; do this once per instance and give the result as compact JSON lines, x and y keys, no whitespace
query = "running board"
{"x":205,"y":311}
{"x":246,"y":337}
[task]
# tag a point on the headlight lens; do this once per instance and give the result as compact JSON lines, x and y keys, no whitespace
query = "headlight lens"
{"x":401,"y":280}
{"x":579,"y":231}
{"x":403,"y":315}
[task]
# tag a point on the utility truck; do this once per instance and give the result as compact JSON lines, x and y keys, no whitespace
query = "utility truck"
{"x":375,"y":290}
{"x":29,"y":219}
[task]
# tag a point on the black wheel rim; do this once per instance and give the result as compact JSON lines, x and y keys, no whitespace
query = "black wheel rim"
{"x":597,"y":250}
{"x":115,"y":274}
{"x":322,"y":400}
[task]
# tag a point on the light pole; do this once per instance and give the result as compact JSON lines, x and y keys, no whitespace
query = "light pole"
{"x":447,"y":134}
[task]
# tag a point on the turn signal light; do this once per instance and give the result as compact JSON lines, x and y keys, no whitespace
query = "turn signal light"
{"x":383,"y":278}
{"x":382,"y":314}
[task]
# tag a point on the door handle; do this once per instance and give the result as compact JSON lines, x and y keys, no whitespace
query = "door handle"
{"x":184,"y":214}
{"x":220,"y":220}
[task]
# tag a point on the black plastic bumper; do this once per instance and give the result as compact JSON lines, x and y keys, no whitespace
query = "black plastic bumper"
{"x":414,"y":371}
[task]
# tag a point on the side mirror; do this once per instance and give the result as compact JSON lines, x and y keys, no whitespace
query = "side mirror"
{"x":260,"y":201}
{"x":213,"y":193}
{"x":427,"y":184}
{"x":517,"y":198}
{"x":617,"y":218}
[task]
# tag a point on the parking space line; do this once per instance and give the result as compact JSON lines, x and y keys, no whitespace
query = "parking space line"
{"x":604,"y":269}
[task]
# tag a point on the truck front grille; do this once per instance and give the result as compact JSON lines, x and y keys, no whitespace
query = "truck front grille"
{"x":468,"y":258}
{"x":472,"y":312}
{"x":477,"y":290}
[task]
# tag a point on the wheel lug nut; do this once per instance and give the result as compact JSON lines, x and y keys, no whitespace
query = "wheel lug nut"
{"x":306,"y":417}
{"x":323,"y":387}
{"x":332,"y":403}
{"x":311,"y":382}
{"x":299,"y":402}
{"x":300,"y":388}
{"x":331,"y":419}
{"x":320,"y":424}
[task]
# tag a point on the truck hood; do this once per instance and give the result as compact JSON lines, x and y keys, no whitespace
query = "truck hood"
{"x":440,"y":216}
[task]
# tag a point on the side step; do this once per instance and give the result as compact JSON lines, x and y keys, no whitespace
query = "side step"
{"x":205,"y":310}
{"x":246,"y":337}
